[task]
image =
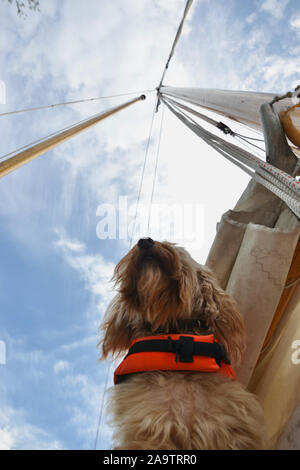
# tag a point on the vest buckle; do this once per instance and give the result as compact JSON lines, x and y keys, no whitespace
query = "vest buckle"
{"x":183,"y":348}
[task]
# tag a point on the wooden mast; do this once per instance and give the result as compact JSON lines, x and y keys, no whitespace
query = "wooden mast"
{"x":11,"y":164}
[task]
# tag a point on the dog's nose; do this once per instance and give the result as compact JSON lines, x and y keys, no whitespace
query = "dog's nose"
{"x":145,"y":243}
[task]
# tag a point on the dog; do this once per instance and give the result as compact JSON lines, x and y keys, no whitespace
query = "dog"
{"x":167,"y":300}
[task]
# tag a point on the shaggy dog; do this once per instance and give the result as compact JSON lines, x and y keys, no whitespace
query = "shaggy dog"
{"x":162,"y":290}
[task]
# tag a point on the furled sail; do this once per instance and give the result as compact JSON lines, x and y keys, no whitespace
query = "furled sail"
{"x":256,"y":257}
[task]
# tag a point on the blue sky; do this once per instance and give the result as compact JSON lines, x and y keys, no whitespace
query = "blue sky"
{"x":54,"y":270}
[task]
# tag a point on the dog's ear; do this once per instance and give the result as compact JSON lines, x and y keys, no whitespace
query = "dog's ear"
{"x":116,"y":330}
{"x":221,"y":315}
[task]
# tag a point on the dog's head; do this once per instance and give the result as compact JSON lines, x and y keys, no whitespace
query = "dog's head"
{"x":159,"y":285}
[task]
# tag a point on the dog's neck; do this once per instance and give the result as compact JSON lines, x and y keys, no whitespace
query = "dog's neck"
{"x":188,"y":326}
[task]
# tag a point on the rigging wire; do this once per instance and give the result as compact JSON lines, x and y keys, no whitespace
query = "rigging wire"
{"x":222,"y":152}
{"x":204,"y":117}
{"x":218,"y":143}
{"x":247,"y":145}
{"x":36,"y":108}
{"x":247,"y":137}
{"x":220,"y":125}
{"x":155,"y":171}
{"x":132,"y":235}
{"x":250,"y":143}
{"x":280,"y":183}
{"x":187,"y":7}
{"x":178,"y":33}
{"x":142,"y":177}
{"x":102,"y":405}
{"x":42,"y":139}
{"x":3,"y":157}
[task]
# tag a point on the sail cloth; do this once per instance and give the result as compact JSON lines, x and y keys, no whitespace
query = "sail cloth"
{"x":252,"y":254}
{"x":256,"y":258}
{"x":243,"y":106}
{"x":273,"y":178}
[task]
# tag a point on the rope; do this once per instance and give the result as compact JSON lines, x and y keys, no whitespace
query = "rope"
{"x":71,"y":102}
{"x":292,"y":283}
{"x":289,"y":94}
{"x":220,"y":125}
{"x":281,"y":193}
{"x":211,"y":121}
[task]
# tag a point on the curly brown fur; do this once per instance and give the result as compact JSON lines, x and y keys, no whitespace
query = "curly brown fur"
{"x":164,"y":290}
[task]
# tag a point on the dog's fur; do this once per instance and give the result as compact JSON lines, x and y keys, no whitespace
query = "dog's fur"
{"x":158,"y":290}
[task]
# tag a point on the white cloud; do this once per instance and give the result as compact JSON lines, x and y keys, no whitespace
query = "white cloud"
{"x":295,"y":23}
{"x":6,"y":439}
{"x":78,"y":344}
{"x":84,"y":398}
{"x":258,"y":37}
{"x":131,"y":51}
{"x":80,"y":401}
{"x":72,"y":51}
{"x":109,"y":157}
{"x":61,"y":366}
{"x":274,"y":7}
{"x":277,"y":72}
{"x":251,"y":18}
{"x":69,"y":245}
{"x":16,"y":432}
{"x":93,"y":269}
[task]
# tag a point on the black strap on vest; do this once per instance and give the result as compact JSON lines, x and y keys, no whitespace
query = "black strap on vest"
{"x":184,"y":348}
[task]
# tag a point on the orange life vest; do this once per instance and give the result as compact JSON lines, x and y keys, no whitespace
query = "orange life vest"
{"x":174,"y":352}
